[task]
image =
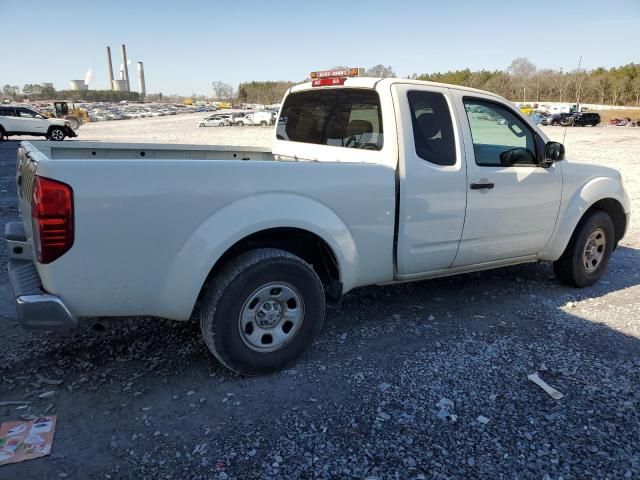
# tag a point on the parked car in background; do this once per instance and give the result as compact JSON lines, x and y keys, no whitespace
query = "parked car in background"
{"x":584,"y":119}
{"x":216,"y":121}
{"x":256,"y":118}
{"x":558,"y":119}
{"x":19,"y":120}
{"x":242,"y":120}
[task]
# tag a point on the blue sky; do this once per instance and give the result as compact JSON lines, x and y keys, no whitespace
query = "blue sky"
{"x":185,"y":45}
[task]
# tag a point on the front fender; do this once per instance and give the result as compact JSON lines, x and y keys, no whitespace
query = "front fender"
{"x":244,"y":217}
{"x":576,"y":206}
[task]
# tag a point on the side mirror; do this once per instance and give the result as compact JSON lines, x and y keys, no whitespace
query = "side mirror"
{"x":553,"y":152}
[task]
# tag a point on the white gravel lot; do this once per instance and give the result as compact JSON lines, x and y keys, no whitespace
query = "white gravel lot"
{"x":175,"y":129}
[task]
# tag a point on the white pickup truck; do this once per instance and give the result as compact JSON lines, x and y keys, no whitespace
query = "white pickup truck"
{"x":369,"y":181}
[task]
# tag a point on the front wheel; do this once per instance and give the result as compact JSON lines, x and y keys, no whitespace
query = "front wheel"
{"x":262,"y":311}
{"x":586,"y":257}
{"x":56,"y":134}
{"x":263,"y":123}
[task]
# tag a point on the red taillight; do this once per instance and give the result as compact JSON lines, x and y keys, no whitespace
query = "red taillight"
{"x":52,"y":218}
{"x":323,"y":82}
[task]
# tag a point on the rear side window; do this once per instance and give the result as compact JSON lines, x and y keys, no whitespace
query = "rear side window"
{"x":7,"y":112}
{"x":432,"y":127}
{"x":349,"y":118}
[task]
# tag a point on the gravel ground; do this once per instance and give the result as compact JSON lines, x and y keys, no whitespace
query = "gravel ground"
{"x":144,"y":399}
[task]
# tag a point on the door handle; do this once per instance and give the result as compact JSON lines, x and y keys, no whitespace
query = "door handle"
{"x":479,"y":186}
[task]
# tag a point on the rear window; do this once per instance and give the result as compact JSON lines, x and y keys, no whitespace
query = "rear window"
{"x":345,"y":117}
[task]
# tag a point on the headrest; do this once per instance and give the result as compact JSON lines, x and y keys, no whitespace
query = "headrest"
{"x":429,"y":125}
{"x":358,"y":127}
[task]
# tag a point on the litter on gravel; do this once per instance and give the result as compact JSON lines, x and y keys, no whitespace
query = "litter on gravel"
{"x":553,"y":393}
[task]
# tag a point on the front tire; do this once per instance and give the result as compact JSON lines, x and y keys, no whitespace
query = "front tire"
{"x":263,"y":123}
{"x":262,"y":311}
{"x":587,"y":255}
{"x":56,"y":134}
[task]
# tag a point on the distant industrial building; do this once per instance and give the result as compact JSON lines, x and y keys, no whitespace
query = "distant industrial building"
{"x":77,"y":85}
{"x":123,"y":84}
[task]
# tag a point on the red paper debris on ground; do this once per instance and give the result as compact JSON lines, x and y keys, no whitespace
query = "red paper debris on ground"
{"x":26,"y":440}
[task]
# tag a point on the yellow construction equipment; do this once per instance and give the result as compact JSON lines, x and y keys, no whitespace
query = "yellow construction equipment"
{"x":76,"y":116}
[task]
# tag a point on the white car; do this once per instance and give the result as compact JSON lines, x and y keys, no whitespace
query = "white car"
{"x":255,"y":118}
{"x":369,"y":181}
{"x":216,"y":121}
{"x":18,"y":120}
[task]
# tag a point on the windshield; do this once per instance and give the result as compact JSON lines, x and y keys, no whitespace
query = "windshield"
{"x":346,"y":117}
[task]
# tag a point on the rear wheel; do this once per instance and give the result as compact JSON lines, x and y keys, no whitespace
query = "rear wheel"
{"x":221,"y":124}
{"x":586,"y":257}
{"x":56,"y":134}
{"x":201,"y":125}
{"x":262,"y":311}
{"x":2,"y":134}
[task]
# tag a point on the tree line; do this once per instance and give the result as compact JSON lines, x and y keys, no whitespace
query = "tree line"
{"x":523,"y":81}
{"x":46,"y":92}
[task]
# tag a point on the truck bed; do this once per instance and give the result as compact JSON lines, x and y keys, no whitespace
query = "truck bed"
{"x":130,"y":151}
{"x":151,"y":220}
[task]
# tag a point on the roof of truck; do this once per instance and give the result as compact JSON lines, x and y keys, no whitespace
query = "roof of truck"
{"x":371,"y":82}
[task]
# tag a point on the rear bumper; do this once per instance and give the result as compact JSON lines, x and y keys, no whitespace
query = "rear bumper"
{"x":37,"y":309}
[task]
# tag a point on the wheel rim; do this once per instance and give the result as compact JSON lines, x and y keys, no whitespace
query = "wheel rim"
{"x":270,"y":317}
{"x":594,"y":250}
{"x":57,"y":134}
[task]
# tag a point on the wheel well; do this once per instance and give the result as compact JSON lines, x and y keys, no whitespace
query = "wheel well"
{"x":302,"y":243}
{"x":616,"y":212}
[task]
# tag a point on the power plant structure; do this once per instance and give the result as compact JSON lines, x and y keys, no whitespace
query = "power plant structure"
{"x":123,"y":83}
{"x":143,"y":88}
{"x":77,"y":85}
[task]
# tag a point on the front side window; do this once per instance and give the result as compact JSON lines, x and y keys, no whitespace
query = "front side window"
{"x":349,"y":118}
{"x":500,"y":137}
{"x":24,"y":113}
{"x":432,"y":127}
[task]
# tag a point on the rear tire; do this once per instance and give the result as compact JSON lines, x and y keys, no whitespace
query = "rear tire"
{"x":587,"y":255}
{"x":56,"y":134}
{"x":201,"y":125}
{"x":263,"y":309}
{"x":3,"y":135}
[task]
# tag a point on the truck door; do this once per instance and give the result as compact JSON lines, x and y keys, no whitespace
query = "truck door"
{"x":432,"y":179}
{"x":512,"y":201}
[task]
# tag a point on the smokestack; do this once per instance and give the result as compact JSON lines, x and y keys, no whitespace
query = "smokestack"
{"x":110,"y":67}
{"x":126,"y":68}
{"x":143,"y":88}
